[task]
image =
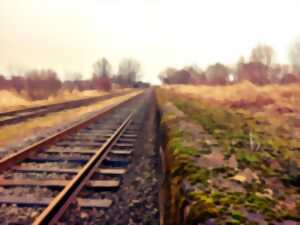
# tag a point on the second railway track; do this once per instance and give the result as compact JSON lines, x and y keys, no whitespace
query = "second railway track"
{"x":12,"y":117}
{"x":80,"y":167}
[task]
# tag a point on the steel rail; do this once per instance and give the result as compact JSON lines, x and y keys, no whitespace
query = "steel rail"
{"x":39,"y":146}
{"x":68,"y":195}
{"x":36,"y":111}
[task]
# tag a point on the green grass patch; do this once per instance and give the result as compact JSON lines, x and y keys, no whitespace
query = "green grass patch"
{"x":240,"y":134}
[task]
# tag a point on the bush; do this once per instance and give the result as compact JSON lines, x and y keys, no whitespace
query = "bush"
{"x":289,"y":78}
{"x":42,"y":84}
{"x":101,"y":83}
{"x":255,"y":72}
{"x":18,"y":83}
{"x":4,"y":84}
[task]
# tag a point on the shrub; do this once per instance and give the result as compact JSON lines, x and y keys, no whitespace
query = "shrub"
{"x":42,"y":84}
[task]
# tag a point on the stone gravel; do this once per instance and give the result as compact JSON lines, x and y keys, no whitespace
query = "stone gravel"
{"x":137,"y":200}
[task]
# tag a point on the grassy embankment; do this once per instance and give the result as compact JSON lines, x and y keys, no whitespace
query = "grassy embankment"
{"x":229,"y":165}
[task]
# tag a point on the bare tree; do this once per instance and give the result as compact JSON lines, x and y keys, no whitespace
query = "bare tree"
{"x":166,"y":75}
{"x":294,"y":55}
{"x":129,"y":72}
{"x":102,"y":75}
{"x":254,"y":72}
{"x":289,"y":78}
{"x":102,"y":68}
{"x":18,"y":83}
{"x":260,"y":69}
{"x":188,"y":75}
{"x":275,"y":73}
{"x":197,"y":75}
{"x":4,"y":83}
{"x":264,"y":54}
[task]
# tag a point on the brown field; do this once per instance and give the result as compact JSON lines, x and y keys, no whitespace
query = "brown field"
{"x":279,"y":104}
{"x":252,"y":95}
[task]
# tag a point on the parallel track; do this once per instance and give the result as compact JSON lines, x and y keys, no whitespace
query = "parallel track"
{"x":11,"y":117}
{"x":99,"y":146}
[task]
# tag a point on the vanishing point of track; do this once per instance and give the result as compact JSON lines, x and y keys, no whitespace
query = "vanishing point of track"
{"x":90,"y":156}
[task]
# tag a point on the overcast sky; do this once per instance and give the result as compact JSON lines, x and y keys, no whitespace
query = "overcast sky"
{"x":69,"y":35}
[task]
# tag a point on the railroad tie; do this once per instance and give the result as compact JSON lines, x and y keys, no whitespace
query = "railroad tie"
{"x":104,"y":171}
{"x":109,"y":161}
{"x":56,"y":183}
{"x":121,"y":152}
{"x":33,"y":201}
{"x":70,"y":150}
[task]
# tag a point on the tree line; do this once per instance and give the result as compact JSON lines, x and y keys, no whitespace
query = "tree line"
{"x":40,"y":84}
{"x":261,"y":69}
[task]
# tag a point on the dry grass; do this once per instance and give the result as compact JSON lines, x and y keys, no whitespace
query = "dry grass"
{"x":10,"y":100}
{"x":279,"y":104}
{"x":11,"y":133}
{"x":285,"y":95}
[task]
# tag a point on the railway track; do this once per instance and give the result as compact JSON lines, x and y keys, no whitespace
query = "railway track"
{"x":16,"y":116}
{"x":79,"y":167}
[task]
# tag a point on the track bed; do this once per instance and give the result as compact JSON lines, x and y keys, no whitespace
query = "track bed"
{"x":83,"y":169}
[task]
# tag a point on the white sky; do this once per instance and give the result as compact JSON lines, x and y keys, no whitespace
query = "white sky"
{"x":69,"y":35}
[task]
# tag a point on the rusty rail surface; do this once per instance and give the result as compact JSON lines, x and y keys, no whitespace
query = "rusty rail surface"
{"x":37,"y":147}
{"x":61,"y":202}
